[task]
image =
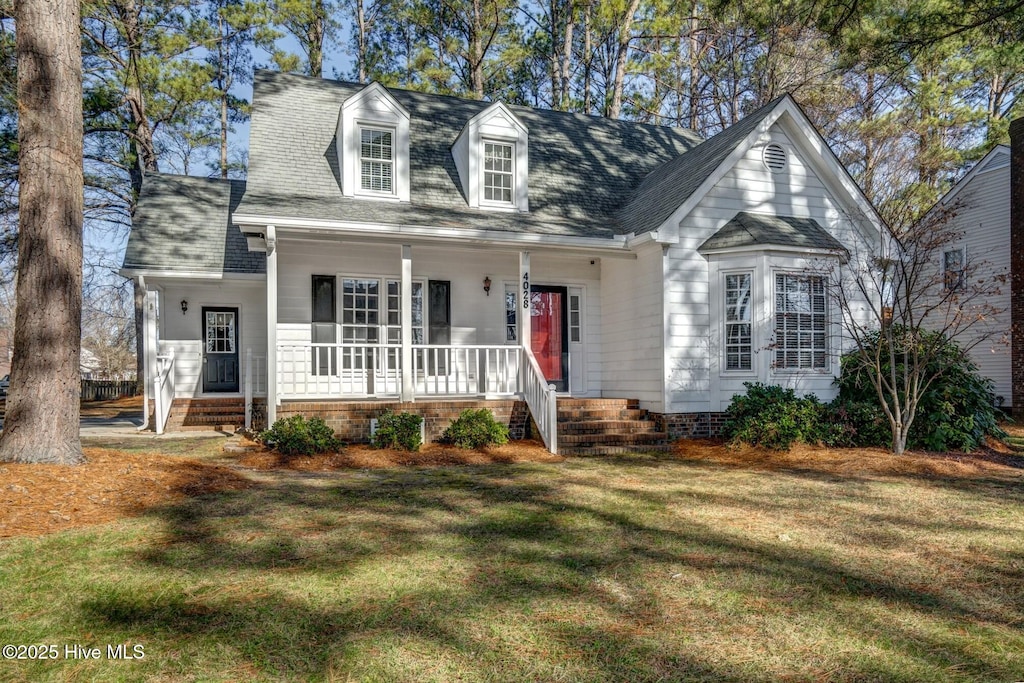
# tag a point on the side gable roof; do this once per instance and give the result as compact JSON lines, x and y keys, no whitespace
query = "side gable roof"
{"x":671,"y":184}
{"x":694,"y":174}
{"x":582,"y":168}
{"x":183,"y":223}
{"x":758,"y":229}
{"x":997,"y":158}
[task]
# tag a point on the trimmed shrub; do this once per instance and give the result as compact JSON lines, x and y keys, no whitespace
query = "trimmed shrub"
{"x":398,"y":430}
{"x":474,"y":429}
{"x":956,"y":412}
{"x":775,"y":418}
{"x":296,"y":435}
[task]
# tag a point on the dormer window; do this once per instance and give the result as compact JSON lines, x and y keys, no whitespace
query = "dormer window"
{"x":373,"y":145}
{"x":499,"y":179}
{"x":377,"y":160}
{"x":491,"y":156}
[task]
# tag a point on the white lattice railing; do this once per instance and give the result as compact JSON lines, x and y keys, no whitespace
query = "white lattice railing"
{"x":163,"y":389}
{"x":541,"y":399}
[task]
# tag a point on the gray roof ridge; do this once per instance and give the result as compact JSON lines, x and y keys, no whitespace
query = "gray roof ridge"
{"x":339,"y":83}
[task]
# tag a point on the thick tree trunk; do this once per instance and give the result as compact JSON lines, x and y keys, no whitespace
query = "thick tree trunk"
{"x":42,"y":405}
{"x":476,"y":52}
{"x":315,"y":39}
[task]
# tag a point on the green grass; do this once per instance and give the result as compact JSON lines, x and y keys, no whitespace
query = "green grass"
{"x":641,"y":569}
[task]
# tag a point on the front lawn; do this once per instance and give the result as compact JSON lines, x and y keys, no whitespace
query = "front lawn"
{"x":646,"y":568}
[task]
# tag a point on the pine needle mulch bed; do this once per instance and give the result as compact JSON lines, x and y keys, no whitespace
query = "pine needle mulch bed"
{"x":701,"y":564}
{"x":110,"y":485}
{"x":366,"y":457}
{"x":995,"y":460}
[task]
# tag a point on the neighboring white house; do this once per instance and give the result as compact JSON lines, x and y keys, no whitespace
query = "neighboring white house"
{"x":979,"y":207}
{"x":387,"y":243}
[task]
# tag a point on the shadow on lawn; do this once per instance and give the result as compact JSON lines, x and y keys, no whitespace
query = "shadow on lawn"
{"x":521,"y":540}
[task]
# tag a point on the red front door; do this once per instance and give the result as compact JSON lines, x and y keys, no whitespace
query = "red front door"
{"x":548,"y":338}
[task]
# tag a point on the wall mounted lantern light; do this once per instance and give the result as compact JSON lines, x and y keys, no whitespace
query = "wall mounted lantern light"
{"x":487,"y":285}
{"x":184,"y":306}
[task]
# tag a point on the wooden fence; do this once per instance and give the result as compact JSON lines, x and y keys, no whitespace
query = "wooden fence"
{"x":107,"y":390}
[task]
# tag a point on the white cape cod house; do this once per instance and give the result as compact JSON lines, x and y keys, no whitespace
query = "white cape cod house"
{"x":397,"y":249}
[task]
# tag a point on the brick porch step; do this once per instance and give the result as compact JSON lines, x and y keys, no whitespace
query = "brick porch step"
{"x":606,"y":426}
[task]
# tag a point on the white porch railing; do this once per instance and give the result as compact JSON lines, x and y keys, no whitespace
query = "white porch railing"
{"x":163,"y":389}
{"x":375,"y":370}
{"x":541,"y":399}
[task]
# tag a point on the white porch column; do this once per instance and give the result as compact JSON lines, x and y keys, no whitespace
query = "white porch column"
{"x":150,"y":346}
{"x":524,"y":299}
{"x":272,"y":399}
{"x":407,"y":377}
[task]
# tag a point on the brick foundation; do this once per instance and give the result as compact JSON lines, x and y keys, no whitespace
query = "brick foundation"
{"x":351,"y":420}
{"x":1017,"y":264}
{"x":691,"y":425}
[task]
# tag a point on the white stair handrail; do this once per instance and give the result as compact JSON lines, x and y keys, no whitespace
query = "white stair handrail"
{"x":163,"y":389}
{"x":542,"y":400}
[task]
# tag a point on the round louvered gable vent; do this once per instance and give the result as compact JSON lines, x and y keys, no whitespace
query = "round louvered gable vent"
{"x":775,"y":157}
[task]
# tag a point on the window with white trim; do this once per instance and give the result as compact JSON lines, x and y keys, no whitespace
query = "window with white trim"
{"x":360,"y":318}
{"x":575,"y":319}
{"x":801,"y":322}
{"x":394,"y":324}
{"x":376,"y":160}
{"x":511,"y":305}
{"x":498,"y":173}
{"x":953,"y":269}
{"x":738,"y":327}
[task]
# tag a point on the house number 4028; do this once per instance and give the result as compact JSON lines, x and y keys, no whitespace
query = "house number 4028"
{"x":526,"y":291}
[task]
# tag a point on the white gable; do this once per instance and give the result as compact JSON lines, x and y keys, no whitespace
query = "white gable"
{"x":373,"y":106}
{"x":494,"y":124}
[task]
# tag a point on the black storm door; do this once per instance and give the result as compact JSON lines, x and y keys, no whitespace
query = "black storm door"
{"x":220,"y":349}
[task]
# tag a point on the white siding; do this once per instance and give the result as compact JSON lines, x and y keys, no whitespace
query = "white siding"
{"x":983,"y":216}
{"x":184,"y":331}
{"x":476,"y":317}
{"x":693,"y":346}
{"x":634,"y":327}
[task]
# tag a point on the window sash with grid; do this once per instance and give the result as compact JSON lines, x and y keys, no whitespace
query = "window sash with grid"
{"x":953,"y":269}
{"x":220,"y":332}
{"x":801,"y":322}
{"x":376,"y":160}
{"x":360,"y":319}
{"x":498,"y":177}
{"x":738,"y":328}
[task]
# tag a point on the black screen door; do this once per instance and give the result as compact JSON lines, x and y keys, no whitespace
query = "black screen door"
{"x":220,"y":349}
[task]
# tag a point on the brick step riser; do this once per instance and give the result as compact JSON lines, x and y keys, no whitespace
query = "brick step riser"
{"x":225,"y":410}
{"x":618,"y":403}
{"x":584,"y":452}
{"x":608,"y":439}
{"x":594,"y":415}
{"x":609,"y":427}
{"x":199,"y":421}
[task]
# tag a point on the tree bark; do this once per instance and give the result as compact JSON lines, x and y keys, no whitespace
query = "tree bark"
{"x":43,"y":403}
{"x":621,"y":52}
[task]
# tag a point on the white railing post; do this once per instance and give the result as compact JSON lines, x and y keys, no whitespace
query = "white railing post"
{"x":552,"y":406}
{"x":248,"y":388}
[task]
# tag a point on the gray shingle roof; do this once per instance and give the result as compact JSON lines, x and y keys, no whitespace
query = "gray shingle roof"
{"x":672,"y":183}
{"x":583,"y":169}
{"x":758,"y":229}
{"x":183,"y":223}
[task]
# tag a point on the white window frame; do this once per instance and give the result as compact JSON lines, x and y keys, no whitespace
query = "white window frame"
{"x":727,"y":323}
{"x":510,"y":173}
{"x":390,"y":163}
{"x":511,"y":315}
{"x":825,"y":316}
